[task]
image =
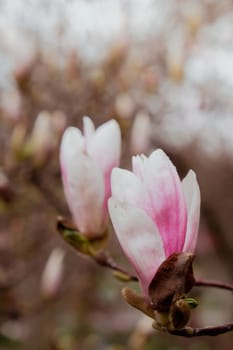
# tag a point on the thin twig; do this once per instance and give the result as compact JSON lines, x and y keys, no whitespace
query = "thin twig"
{"x":189,"y":332}
{"x":214,"y":284}
{"x":106,"y":260}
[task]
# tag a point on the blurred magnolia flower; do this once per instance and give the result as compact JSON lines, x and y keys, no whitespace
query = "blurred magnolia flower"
{"x":86,"y":163}
{"x":140,"y":133}
{"x":52,"y":274}
{"x":153,"y":213}
{"x":175,"y":55}
{"x":124,"y":106}
{"x":42,"y":141}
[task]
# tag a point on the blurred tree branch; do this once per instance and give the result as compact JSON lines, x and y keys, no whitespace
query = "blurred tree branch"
{"x":189,"y":332}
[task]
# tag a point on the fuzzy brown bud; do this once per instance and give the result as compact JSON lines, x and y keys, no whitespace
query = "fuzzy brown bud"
{"x":179,"y":314}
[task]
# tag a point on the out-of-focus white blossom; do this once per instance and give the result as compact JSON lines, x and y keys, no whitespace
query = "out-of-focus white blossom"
{"x":42,"y":140}
{"x":196,"y":48}
{"x":124,"y":106}
{"x":140,"y":137}
{"x":52,"y":275}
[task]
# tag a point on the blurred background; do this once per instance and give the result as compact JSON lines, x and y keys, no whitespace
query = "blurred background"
{"x":164,"y":70}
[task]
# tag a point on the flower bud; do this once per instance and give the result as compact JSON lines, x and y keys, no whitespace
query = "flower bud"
{"x":86,"y":164}
{"x":137,"y":301}
{"x":179,"y":314}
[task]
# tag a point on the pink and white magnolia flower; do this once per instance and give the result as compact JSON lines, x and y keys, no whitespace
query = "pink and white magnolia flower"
{"x":153,"y":213}
{"x":87,"y":161}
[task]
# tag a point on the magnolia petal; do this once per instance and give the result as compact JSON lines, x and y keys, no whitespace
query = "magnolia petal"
{"x":71,"y":143}
{"x":127,"y":188}
{"x":167,"y":200}
{"x":138,"y":165}
{"x":139,"y":239}
{"x":72,"y":140}
{"x":84,"y":190}
{"x":105,"y":149}
{"x":105,"y":146}
{"x":87,"y":186}
{"x":193,"y":200}
{"x":88,"y":128}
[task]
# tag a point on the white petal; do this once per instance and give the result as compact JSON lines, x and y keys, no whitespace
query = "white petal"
{"x":139,"y":238}
{"x":139,"y":165}
{"x":83,"y":183}
{"x":193,"y":200}
{"x":105,"y":146}
{"x":72,"y":143}
{"x":72,"y":140}
{"x":127,"y":188}
{"x":105,"y":149}
{"x":88,"y":128}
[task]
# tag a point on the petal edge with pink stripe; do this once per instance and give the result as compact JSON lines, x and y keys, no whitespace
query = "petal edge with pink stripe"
{"x":139,"y":239}
{"x":167,"y":200}
{"x":193,"y":200}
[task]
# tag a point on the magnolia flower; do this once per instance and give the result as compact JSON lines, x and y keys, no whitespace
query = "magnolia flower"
{"x":153,"y":213}
{"x":87,"y":161}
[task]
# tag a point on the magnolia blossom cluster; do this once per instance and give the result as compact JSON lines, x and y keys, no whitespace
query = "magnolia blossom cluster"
{"x":154,"y":214}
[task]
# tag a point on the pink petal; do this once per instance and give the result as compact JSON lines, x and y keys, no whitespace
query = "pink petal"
{"x":139,"y":239}
{"x":193,"y":200}
{"x":83,"y":183}
{"x":166,"y":197}
{"x":105,"y":149}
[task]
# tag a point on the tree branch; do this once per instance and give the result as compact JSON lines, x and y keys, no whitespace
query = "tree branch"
{"x":214,"y":284}
{"x":189,"y":332}
{"x":104,"y":259}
